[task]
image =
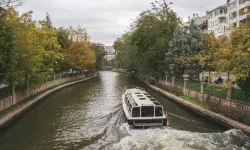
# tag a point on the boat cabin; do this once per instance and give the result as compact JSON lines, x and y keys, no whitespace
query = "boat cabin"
{"x":140,"y":104}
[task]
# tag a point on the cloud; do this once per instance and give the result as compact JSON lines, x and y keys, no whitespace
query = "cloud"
{"x":106,"y":19}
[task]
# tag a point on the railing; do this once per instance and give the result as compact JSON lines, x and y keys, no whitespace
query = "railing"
{"x":194,"y":85}
{"x":241,"y":96}
{"x":7,"y":98}
{"x":179,"y":82}
{"x":216,"y":91}
{"x":204,"y":91}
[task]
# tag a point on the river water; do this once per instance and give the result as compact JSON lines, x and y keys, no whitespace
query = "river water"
{"x":89,"y":115}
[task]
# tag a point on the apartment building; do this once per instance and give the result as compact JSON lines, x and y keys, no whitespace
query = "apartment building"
{"x":110,"y":52}
{"x":232,"y":14}
{"x":201,"y":22}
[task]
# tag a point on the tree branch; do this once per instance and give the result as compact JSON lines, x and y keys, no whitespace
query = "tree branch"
{"x":13,"y":3}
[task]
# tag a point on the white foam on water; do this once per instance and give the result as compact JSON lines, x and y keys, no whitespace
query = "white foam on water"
{"x":168,"y":139}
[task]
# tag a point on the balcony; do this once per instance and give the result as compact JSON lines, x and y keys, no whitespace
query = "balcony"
{"x":222,"y":15}
{"x":223,"y":24}
{"x":245,"y":4}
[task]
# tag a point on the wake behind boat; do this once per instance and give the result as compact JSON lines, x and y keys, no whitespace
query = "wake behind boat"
{"x":141,"y":109}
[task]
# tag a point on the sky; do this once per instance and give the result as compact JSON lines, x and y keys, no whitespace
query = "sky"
{"x":105,"y":20}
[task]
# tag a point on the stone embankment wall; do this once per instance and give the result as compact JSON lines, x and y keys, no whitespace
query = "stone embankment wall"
{"x":217,"y":117}
{"x":6,"y":119}
{"x":18,"y":96}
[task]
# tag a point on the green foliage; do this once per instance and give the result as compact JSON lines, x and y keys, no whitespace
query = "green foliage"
{"x":30,"y":50}
{"x":178,"y":48}
{"x":14,"y":3}
{"x":191,"y":60}
{"x":143,"y":48}
{"x":8,"y":58}
{"x":99,"y":53}
{"x":244,"y":84}
{"x":48,"y":21}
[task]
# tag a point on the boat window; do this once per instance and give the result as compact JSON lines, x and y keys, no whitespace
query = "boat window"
{"x":139,"y":95}
{"x":153,"y":99}
{"x":130,"y":107}
{"x":158,"y":111}
{"x":149,"y":96}
{"x":156,"y":103}
{"x":142,"y":98}
{"x":147,"y":111}
{"x":136,"y":112}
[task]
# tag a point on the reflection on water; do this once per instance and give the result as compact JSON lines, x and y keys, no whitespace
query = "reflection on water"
{"x":90,"y":116}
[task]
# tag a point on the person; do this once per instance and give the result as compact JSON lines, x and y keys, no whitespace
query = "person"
{"x":219,"y":81}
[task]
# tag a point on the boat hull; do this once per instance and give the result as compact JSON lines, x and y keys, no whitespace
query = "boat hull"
{"x":147,"y":122}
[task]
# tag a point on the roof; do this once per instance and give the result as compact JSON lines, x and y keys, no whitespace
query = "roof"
{"x":220,"y":7}
{"x":138,"y":97}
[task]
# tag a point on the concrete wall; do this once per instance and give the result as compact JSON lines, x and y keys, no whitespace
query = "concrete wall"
{"x":6,"y":119}
{"x":200,"y":110}
{"x":21,"y":95}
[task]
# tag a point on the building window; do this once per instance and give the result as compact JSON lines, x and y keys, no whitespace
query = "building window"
{"x":243,"y":1}
{"x":221,"y":11}
{"x":242,"y":22}
{"x":244,"y":11}
{"x":233,"y":15}
{"x":234,"y":25}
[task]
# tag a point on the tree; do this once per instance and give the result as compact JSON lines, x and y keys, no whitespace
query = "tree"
{"x":241,"y":56}
{"x":14,"y":3}
{"x":207,"y":56}
{"x":223,"y":56}
{"x":48,"y":21}
{"x":241,"y":48}
{"x":99,"y":54}
{"x":63,"y":38}
{"x":177,"y":47}
{"x":47,"y":38}
{"x":28,"y":51}
{"x":8,"y":57}
{"x":191,"y":60}
{"x":80,"y":56}
{"x":151,"y":34}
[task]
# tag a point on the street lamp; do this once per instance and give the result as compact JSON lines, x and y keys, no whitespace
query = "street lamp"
{"x":202,"y":67}
{"x":171,"y":67}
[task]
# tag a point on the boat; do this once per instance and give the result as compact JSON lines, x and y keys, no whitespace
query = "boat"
{"x":141,"y":109}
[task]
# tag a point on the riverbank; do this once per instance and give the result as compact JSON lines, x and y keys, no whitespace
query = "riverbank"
{"x":18,"y":110}
{"x":201,"y":111}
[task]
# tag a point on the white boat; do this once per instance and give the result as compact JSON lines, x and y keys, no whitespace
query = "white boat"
{"x":141,"y":109}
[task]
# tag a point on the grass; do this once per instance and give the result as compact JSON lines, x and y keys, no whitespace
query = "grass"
{"x":195,"y":101}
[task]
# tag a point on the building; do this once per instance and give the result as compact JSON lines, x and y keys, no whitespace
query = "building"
{"x":110,"y":52}
{"x":232,"y":14}
{"x":201,"y":22}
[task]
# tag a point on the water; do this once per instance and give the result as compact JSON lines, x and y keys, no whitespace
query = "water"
{"x":89,"y":115}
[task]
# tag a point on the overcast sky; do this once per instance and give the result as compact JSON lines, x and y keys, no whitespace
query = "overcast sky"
{"x":107,"y":19}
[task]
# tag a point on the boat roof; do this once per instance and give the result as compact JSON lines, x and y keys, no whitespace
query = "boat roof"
{"x":138,"y":97}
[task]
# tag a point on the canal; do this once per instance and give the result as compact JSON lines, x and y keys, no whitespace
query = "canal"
{"x":89,"y":115}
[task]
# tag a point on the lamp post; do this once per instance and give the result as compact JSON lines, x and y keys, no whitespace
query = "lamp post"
{"x":202,"y":67}
{"x":171,"y":67}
